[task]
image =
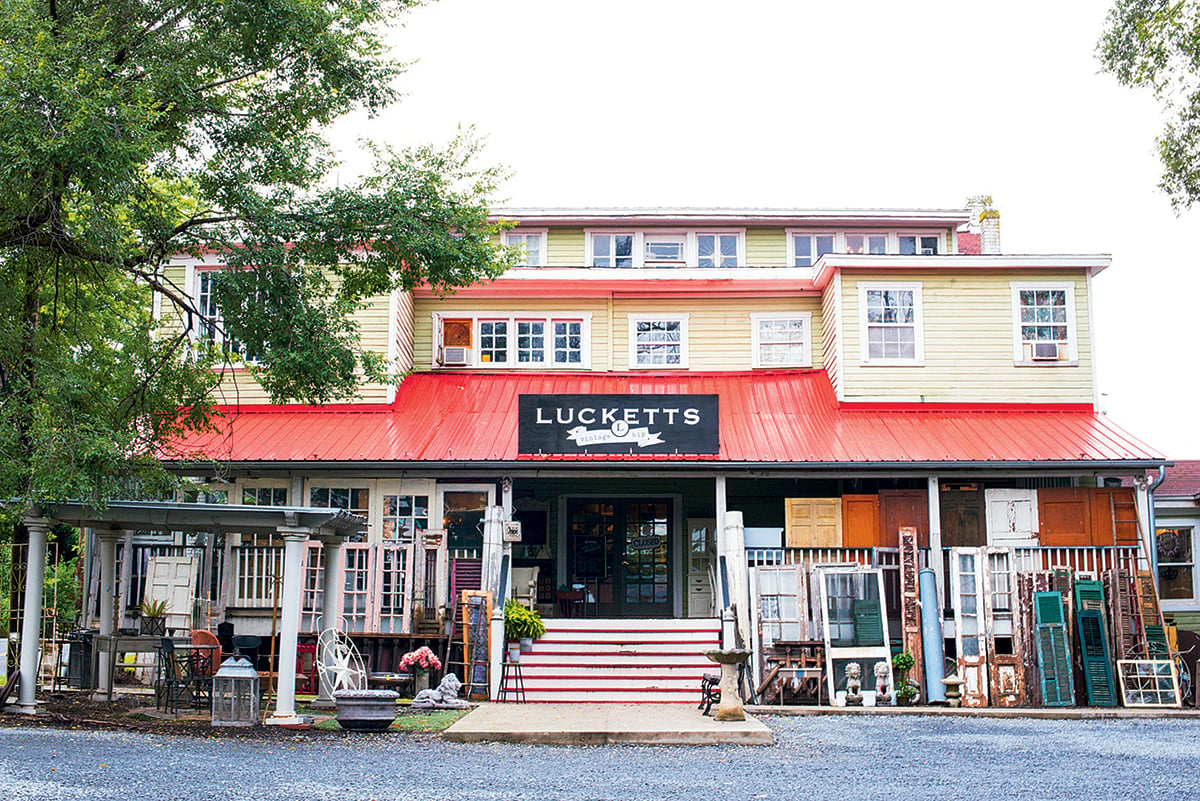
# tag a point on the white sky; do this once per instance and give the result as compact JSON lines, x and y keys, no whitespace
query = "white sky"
{"x":850,"y":104}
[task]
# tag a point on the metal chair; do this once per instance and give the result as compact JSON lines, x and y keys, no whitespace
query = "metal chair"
{"x":172,"y":679}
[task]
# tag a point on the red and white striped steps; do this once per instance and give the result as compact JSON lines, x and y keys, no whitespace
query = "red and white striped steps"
{"x":622,"y":660}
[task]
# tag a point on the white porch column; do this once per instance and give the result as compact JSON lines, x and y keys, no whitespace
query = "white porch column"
{"x":289,"y":621}
{"x":1141,"y":499}
{"x":739,"y":580}
{"x":936,"y":563}
{"x":331,"y":606}
{"x":108,"y":599}
{"x":722,"y":506}
{"x":31,"y":625}
{"x":493,"y":551}
{"x":506,"y":510}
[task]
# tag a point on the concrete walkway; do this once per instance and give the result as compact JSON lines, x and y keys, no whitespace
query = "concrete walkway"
{"x":603,"y":724}
{"x":1036,"y":713}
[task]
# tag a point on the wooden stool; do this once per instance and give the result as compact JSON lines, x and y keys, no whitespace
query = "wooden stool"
{"x":512,"y":670}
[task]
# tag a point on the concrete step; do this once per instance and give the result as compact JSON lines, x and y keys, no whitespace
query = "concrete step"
{"x":609,"y":672}
{"x":618,"y":696}
{"x":631,"y":624}
{"x":641,"y":658}
{"x":683,"y":648}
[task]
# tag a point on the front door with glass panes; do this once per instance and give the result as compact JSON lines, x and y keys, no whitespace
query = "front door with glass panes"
{"x":621,"y":551}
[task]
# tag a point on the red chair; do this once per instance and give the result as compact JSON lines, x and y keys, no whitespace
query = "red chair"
{"x":306,"y":668}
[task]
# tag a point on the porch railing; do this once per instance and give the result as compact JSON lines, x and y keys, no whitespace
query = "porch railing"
{"x":258,"y":571}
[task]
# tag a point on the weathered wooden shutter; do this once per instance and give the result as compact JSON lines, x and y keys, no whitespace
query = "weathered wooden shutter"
{"x":1121,"y":613}
{"x":868,"y":623}
{"x":1053,"y":650}
{"x":1154,"y":632}
{"x":1093,"y":643}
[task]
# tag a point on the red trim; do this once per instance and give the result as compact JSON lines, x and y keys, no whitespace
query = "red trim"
{"x":887,"y":406}
{"x":634,"y":287}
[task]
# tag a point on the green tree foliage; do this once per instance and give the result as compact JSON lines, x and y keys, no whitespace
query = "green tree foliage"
{"x":135,"y":130}
{"x":1155,"y":44}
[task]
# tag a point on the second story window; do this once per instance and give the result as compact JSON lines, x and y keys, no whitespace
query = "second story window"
{"x":807,"y":248}
{"x":716,"y":250}
{"x":782,"y":340}
{"x":568,"y":342}
{"x":658,"y":341}
{"x":531,"y":341}
{"x":612,"y":250}
{"x":511,"y":340}
{"x":493,"y":341}
{"x":919,"y":245}
{"x":532,"y":244}
{"x":212,"y":326}
{"x":1044,"y":323}
{"x":891,"y":324}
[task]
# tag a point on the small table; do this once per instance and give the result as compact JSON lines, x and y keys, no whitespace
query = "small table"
{"x":120,"y":644}
{"x":512,"y":670}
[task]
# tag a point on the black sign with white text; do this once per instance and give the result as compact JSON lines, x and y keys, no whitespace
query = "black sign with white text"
{"x":565,"y":424}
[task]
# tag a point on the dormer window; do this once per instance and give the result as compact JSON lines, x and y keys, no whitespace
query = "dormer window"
{"x":532,"y":245}
{"x":919,"y":244}
{"x":664,"y":250}
{"x":872,"y":244}
{"x":807,"y":248}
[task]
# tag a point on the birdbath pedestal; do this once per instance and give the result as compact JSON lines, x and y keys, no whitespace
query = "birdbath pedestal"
{"x":730,"y":707}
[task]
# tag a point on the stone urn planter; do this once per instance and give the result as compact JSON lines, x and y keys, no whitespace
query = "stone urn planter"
{"x":365,"y":710}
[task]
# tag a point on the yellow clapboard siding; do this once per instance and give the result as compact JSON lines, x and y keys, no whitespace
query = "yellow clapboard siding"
{"x":565,"y":247}
{"x":968,"y":342}
{"x":830,"y":302}
{"x":404,"y":332}
{"x":813,"y":522}
{"x":766,"y":247}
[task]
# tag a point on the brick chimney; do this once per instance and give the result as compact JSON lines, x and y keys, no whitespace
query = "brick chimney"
{"x":984,"y":220}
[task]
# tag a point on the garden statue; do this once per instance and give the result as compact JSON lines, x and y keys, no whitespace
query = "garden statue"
{"x":444,"y":697}
{"x":882,"y":696}
{"x":854,"y":684}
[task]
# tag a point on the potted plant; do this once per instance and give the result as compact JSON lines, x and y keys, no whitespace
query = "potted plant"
{"x":420,"y":662}
{"x":522,"y":625}
{"x":906,"y":690}
{"x":152,"y":618}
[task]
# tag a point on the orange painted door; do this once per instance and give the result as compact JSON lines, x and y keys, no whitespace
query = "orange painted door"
{"x":1065,"y":517}
{"x":860,"y":521}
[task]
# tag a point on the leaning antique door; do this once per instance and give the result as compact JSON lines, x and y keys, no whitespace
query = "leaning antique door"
{"x":970,"y":619}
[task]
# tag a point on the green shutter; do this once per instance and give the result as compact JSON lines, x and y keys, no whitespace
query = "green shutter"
{"x":1089,"y":595}
{"x":1053,"y":650}
{"x":1097,"y":669}
{"x":868,"y":623}
{"x":1156,"y":643}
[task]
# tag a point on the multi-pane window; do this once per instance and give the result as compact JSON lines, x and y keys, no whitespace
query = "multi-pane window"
{"x":264,"y":496}
{"x":612,"y":250}
{"x":404,"y":516}
{"x":352,"y":499}
{"x":531,"y":341}
{"x":1176,"y":564}
{"x":659,"y":342}
{"x":1044,"y":327}
{"x":530,"y":246}
{"x":493,"y":341}
{"x":807,"y":248}
{"x":666,"y":249}
{"x":568,"y":341}
{"x":918,"y":245}
{"x":891,"y":317}
{"x":211,"y":325}
{"x":717,"y":250}
{"x":873,"y":244}
{"x":781,"y":340}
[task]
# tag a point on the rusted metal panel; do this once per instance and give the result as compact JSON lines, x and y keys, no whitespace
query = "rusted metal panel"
{"x":784,"y":416}
{"x":910,"y":600}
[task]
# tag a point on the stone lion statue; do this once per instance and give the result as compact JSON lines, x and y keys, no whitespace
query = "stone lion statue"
{"x":444,"y":697}
{"x":854,"y":684}
{"x":882,"y":696}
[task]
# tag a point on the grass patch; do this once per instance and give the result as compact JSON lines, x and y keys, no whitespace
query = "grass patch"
{"x":435,"y":721}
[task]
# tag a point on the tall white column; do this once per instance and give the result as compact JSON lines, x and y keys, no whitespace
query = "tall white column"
{"x":108,"y":598}
{"x":493,"y":551}
{"x":331,"y":607}
{"x":289,"y":621}
{"x":31,"y":626}
{"x":936,"y":563}
{"x":722,"y":506}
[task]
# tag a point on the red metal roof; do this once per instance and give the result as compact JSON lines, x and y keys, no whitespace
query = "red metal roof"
{"x":765,"y":417}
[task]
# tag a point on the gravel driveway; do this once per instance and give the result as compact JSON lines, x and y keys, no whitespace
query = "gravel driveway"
{"x":814,"y":758}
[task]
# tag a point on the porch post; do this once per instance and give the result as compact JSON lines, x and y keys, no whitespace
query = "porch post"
{"x":331,"y":606}
{"x":739,"y":579}
{"x":31,"y":625}
{"x":108,"y":598}
{"x":1142,"y":500}
{"x":936,"y":563}
{"x":493,"y":551}
{"x":289,"y":621}
{"x":722,"y":506}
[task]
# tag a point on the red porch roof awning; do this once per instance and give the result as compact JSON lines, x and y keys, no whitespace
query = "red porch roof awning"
{"x":785,"y":417}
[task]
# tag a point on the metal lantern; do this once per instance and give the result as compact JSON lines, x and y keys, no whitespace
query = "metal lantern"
{"x":235,"y":694}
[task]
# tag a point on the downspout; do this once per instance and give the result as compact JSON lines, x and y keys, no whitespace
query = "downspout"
{"x":1151,"y":518}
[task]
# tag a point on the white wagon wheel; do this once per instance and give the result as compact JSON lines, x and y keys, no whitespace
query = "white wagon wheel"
{"x":338,"y":663}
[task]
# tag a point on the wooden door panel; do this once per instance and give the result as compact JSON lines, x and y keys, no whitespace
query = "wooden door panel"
{"x":1011,"y":517}
{"x":1113,"y":516}
{"x":860,"y":521}
{"x":962,"y":516}
{"x":1064,"y":517}
{"x":813,"y":522}
{"x":899,"y":508}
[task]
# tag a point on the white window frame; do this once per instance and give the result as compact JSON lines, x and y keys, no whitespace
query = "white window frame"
{"x":635,"y":248}
{"x":1019,"y":355}
{"x":512,"y":318}
{"x":939,"y":235}
{"x":1181,"y":604}
{"x":519,"y":236}
{"x":755,"y":334}
{"x":844,"y":245}
{"x":812,"y":234}
{"x":682,"y":319}
{"x":643,"y":239}
{"x":918,"y":324}
{"x":694,"y":241}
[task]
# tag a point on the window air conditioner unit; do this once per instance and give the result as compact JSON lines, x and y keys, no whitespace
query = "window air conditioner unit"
{"x":456,"y":357}
{"x":1045,"y":351}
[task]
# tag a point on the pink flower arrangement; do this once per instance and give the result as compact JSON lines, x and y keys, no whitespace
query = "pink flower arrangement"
{"x":422,"y":659}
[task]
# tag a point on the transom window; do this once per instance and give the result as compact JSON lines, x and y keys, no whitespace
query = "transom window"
{"x":659,"y":342}
{"x":264,"y":496}
{"x":668,"y":249}
{"x":807,"y":248}
{"x":612,"y":250}
{"x":891,"y":323}
{"x":717,"y":250}
{"x":782,"y":340}
{"x":530,"y":244}
{"x":1044,"y":331}
{"x":352,"y":499}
